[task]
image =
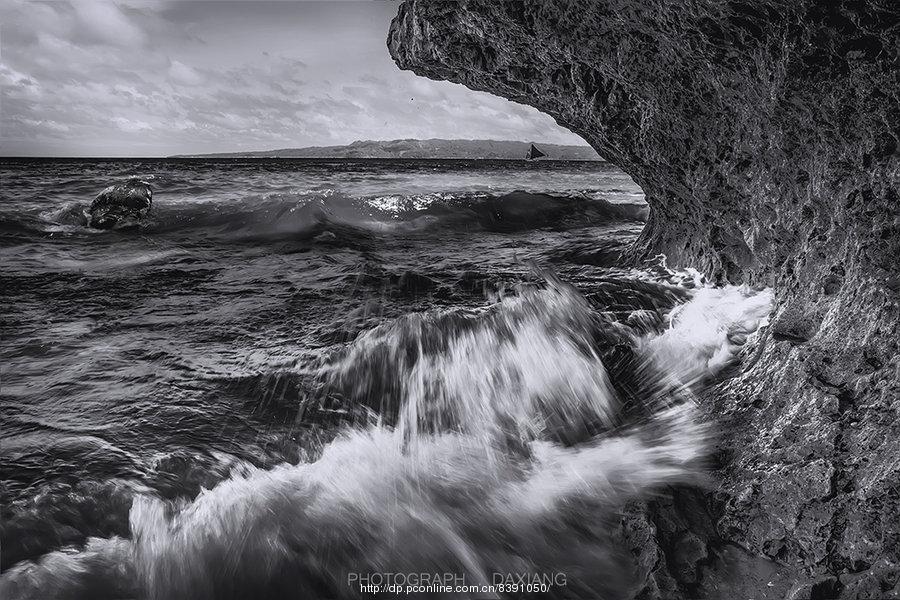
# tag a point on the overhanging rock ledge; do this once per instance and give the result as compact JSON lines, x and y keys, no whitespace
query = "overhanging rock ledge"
{"x":765,"y":136}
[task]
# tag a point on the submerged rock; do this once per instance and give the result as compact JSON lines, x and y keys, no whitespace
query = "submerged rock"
{"x":121,"y":205}
{"x":764,"y":135}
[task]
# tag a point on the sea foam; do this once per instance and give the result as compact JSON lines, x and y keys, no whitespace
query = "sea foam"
{"x":500,"y":446}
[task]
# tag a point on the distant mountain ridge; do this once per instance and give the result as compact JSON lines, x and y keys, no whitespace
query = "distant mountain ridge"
{"x":433,"y":148}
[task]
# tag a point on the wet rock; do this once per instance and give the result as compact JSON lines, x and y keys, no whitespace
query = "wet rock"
{"x":824,"y":588}
{"x":121,"y":206}
{"x":865,"y":587}
{"x":763,"y":134}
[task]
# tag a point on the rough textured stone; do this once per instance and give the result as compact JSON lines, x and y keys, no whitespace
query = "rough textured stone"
{"x":764,"y":134}
{"x":121,"y":205}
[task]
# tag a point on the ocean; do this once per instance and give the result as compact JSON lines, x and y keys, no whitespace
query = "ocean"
{"x":297,"y":373}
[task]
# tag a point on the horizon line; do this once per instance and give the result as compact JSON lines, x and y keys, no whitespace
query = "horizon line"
{"x":307,"y":147}
{"x":212,"y":156}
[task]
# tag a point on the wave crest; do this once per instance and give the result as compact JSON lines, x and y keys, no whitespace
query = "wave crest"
{"x":501,"y":444}
{"x":311,"y":213}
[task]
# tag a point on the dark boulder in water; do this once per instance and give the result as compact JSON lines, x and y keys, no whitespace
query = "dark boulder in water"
{"x":121,"y":205}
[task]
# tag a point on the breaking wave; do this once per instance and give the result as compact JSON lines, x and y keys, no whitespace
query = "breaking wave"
{"x":499,"y":440}
{"x":308,"y":214}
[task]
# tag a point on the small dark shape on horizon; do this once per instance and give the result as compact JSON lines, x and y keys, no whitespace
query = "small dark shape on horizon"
{"x":534,"y":153}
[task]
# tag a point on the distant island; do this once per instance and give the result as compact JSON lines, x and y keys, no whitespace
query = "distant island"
{"x":435,"y":148}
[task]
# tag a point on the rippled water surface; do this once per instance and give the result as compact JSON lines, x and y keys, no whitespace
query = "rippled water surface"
{"x":436,"y":350}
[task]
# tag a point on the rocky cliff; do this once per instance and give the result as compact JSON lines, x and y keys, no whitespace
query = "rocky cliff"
{"x":765,"y":136}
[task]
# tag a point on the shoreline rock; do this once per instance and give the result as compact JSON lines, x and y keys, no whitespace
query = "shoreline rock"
{"x":764,"y":135}
{"x":121,"y":205}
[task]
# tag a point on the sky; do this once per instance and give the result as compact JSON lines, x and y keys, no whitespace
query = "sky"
{"x":155,"y":78}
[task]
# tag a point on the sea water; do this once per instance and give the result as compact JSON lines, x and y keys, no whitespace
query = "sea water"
{"x":300,"y":375}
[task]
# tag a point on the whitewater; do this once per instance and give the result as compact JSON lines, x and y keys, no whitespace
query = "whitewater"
{"x":298,"y":375}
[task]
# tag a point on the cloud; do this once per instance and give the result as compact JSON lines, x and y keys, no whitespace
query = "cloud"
{"x":104,"y":23}
{"x":131,"y":126}
{"x":19,"y":85}
{"x":157,"y":78}
{"x":183,"y":74}
{"x":45,"y":124}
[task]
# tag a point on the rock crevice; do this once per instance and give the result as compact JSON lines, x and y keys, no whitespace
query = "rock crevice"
{"x":764,"y":134}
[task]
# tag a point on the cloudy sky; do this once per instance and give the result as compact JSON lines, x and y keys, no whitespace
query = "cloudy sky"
{"x":153,"y":78}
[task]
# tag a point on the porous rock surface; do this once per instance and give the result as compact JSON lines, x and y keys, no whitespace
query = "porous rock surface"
{"x":121,"y":205}
{"x":765,"y":137}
